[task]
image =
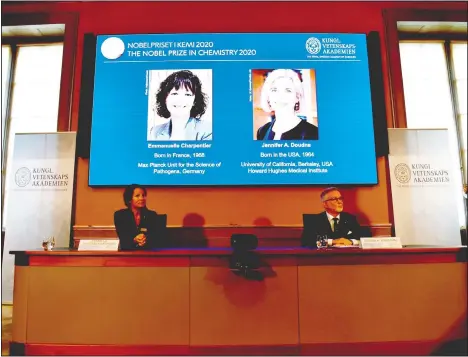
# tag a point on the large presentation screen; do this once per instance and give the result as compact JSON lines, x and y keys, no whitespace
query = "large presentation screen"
{"x":232,"y":109}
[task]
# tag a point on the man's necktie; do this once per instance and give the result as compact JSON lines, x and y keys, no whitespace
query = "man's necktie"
{"x":335,"y":224}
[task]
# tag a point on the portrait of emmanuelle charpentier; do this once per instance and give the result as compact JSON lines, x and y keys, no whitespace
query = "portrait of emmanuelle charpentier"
{"x":285,"y":105}
{"x":179,"y":105}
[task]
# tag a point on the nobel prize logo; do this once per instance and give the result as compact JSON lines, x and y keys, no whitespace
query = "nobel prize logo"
{"x":112,"y":48}
{"x":402,"y":173}
{"x":23,"y":176}
{"x":313,"y":45}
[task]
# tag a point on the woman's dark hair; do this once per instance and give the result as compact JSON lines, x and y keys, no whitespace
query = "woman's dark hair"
{"x":128,"y":193}
{"x":176,"y":80}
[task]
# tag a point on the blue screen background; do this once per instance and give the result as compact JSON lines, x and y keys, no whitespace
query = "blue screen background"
{"x":120,"y":113}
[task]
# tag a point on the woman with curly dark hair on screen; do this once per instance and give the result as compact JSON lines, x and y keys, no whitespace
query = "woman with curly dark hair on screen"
{"x":181,"y":100}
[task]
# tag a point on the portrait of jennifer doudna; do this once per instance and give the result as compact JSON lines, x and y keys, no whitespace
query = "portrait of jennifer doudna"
{"x":179,"y":105}
{"x":284,"y":104}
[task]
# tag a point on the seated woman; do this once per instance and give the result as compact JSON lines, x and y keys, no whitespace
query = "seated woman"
{"x":137,"y":227}
{"x":282,"y":95}
{"x":181,"y":100}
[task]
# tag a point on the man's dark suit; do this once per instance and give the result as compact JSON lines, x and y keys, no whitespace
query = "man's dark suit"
{"x":151,"y":224}
{"x":318,"y":224}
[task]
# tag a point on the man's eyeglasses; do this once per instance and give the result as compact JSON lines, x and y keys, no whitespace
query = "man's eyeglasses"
{"x":335,"y":199}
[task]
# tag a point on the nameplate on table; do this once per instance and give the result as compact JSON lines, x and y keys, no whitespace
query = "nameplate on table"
{"x":381,"y":243}
{"x":98,"y":244}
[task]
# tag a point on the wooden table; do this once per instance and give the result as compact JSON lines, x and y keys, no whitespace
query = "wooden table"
{"x":187,"y":302}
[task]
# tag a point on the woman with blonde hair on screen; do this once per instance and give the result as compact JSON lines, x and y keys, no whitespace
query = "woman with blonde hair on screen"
{"x":282,"y":96}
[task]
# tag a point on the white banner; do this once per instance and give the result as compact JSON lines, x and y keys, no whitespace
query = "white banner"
{"x":40,"y":192}
{"x":424,"y":192}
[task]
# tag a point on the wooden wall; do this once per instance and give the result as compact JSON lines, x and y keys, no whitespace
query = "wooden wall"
{"x":224,"y":207}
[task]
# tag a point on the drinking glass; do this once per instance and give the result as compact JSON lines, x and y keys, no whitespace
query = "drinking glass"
{"x":322,"y":241}
{"x":49,"y":243}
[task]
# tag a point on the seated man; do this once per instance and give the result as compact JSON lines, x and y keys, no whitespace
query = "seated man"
{"x":342,"y":228}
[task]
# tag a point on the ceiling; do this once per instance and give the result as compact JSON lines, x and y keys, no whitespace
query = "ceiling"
{"x":403,"y":26}
{"x":422,"y":27}
{"x":33,"y":30}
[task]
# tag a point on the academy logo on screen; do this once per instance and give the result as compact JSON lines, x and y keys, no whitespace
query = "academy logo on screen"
{"x":313,"y":45}
{"x":330,"y":48}
{"x":112,"y":48}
